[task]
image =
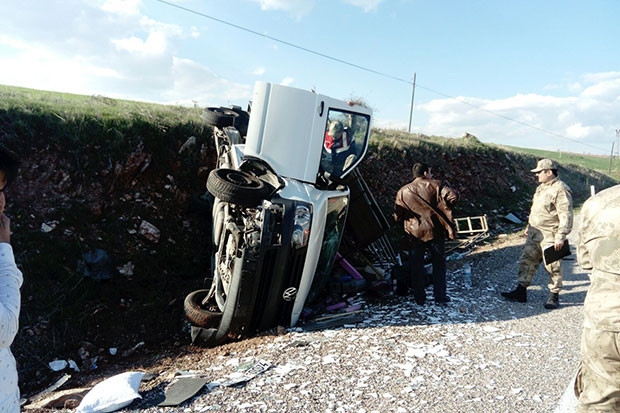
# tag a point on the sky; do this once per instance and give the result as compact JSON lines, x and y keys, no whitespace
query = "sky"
{"x":528,"y":73}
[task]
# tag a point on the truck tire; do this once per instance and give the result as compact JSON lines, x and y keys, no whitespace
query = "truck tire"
{"x":219,"y":117}
{"x":197,"y":314}
{"x":237,"y":187}
{"x":218,"y":327}
{"x":242,"y":120}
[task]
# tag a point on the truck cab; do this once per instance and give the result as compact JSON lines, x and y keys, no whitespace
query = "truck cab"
{"x":279,"y":210}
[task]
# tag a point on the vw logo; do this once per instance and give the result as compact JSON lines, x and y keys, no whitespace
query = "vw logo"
{"x":289,"y":294}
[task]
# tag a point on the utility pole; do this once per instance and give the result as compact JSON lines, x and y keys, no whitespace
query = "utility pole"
{"x":412,"y":96}
{"x":618,"y":138}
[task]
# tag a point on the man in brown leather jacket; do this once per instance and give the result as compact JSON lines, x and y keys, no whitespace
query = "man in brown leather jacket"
{"x":424,"y":207}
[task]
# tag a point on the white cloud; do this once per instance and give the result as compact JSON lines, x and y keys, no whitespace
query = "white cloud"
{"x":13,"y":43}
{"x":606,"y":89}
{"x":155,"y":44}
{"x":210,"y":90}
{"x":300,"y":8}
{"x":366,"y":5}
{"x":121,"y":7}
{"x":582,"y":121}
{"x":297,"y":8}
{"x":577,"y":131}
{"x":40,"y":68}
{"x":287,"y":81}
{"x":107,"y":48}
{"x":575,"y":87}
{"x":599,"y":77}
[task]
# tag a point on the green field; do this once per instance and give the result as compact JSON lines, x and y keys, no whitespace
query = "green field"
{"x":599,"y":163}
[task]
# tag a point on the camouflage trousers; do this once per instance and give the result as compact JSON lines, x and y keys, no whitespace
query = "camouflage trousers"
{"x":532,"y":257}
{"x":598,"y":381}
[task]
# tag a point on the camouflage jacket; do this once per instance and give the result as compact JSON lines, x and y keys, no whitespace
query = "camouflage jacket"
{"x":599,"y":250}
{"x":552,"y":210}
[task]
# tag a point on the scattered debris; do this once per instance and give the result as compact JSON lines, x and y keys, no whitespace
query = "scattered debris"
{"x":126,"y":269}
{"x":58,"y":365}
{"x":335,"y":320}
{"x":457,"y":255}
{"x":467,"y":276}
{"x":132,"y":350}
{"x":182,"y":389}
{"x":45,"y":227}
{"x":513,"y":218}
{"x":63,"y":399}
{"x":191,"y":141}
{"x":246,"y":372}
{"x":112,"y":394}
{"x":348,"y":267}
{"x":57,"y":384}
{"x":149,"y":231}
{"x":471,"y":225}
{"x":96,"y":264}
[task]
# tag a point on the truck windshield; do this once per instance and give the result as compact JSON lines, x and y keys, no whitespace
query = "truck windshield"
{"x":345,"y":141}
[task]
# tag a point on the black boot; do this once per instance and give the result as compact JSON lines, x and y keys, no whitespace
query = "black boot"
{"x":553,"y":301}
{"x":519,"y":294}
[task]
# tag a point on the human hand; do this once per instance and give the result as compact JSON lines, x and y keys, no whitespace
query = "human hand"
{"x":5,"y":229}
{"x":558,"y":245}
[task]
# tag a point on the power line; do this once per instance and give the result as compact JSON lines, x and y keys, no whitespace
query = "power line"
{"x":335,"y":59}
{"x":275,"y":39}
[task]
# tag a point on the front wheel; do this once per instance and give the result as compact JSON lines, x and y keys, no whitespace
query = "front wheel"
{"x":217,"y":315}
{"x":237,"y":187}
{"x":198,"y":312}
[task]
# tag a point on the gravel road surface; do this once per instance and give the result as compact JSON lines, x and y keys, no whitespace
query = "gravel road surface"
{"x":477,"y":354}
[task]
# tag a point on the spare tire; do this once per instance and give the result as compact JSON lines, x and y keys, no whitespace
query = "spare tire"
{"x":219,"y":117}
{"x":237,"y":187}
{"x":242,"y":120}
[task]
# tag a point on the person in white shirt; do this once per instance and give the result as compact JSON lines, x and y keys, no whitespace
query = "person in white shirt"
{"x":10,"y":300}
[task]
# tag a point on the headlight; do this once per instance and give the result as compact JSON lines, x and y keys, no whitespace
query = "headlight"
{"x":301,"y":226}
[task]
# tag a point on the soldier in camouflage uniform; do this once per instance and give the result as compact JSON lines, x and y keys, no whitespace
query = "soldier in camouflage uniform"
{"x":598,"y":381}
{"x":550,"y":222}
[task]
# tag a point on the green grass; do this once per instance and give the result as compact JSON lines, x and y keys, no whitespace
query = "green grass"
{"x":110,"y":126}
{"x":68,"y":106}
{"x":597,"y":163}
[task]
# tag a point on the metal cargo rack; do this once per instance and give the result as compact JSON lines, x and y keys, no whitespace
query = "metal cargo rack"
{"x":469,"y":230}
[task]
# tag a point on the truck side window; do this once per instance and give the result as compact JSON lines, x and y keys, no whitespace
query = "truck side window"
{"x":344,"y":141}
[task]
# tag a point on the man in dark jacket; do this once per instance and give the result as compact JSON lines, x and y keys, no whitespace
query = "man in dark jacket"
{"x":424,"y":207}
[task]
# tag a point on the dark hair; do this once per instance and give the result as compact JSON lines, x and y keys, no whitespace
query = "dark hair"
{"x":9,"y":164}
{"x":419,"y":169}
{"x":554,"y":172}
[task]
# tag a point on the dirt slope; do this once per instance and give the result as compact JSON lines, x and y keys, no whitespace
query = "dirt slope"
{"x":142,"y":213}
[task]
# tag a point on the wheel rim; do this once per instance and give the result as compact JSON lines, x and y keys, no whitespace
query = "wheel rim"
{"x":242,"y":179}
{"x":225,"y":261}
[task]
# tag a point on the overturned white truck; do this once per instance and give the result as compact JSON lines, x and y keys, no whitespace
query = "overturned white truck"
{"x":279,"y":209}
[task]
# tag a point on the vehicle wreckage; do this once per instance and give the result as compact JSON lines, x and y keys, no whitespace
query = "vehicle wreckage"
{"x":282,"y":193}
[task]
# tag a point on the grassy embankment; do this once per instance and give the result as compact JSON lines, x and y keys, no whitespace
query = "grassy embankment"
{"x":95,"y":168}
